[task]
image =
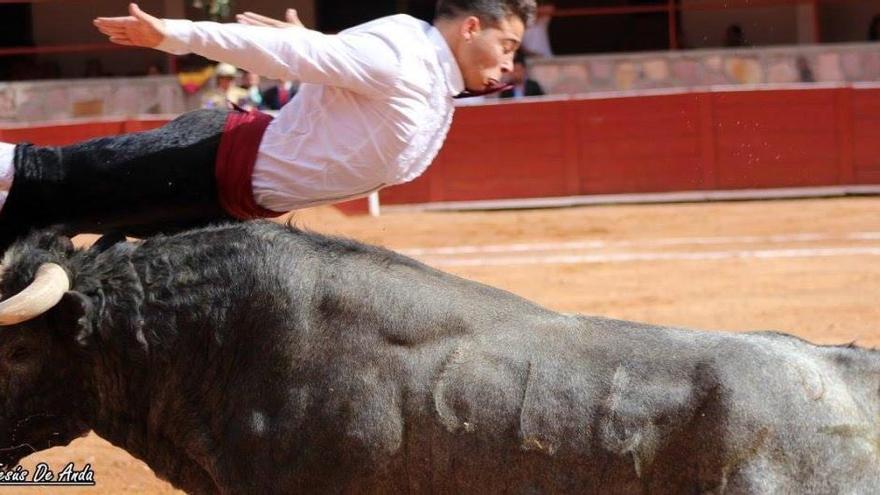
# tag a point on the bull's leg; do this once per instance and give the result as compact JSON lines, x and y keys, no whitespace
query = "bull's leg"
{"x":158,"y":181}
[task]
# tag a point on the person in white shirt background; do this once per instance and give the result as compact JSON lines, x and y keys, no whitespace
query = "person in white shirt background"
{"x":373,"y":109}
{"x":536,"y":39}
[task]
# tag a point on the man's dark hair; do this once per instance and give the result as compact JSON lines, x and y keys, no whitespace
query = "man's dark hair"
{"x":488,"y":11}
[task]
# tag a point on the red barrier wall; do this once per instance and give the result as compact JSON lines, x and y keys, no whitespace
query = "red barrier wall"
{"x":776,"y":139}
{"x":635,"y":145}
{"x":678,"y":142}
{"x":665,"y":143}
{"x":866,"y":136}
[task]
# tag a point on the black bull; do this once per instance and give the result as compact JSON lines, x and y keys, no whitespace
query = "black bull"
{"x":261,"y":359}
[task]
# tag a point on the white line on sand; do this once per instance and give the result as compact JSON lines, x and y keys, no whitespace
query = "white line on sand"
{"x":674,"y":241}
{"x":653,"y":256}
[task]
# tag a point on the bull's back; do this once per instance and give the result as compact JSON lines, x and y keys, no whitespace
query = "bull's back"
{"x":617,"y":406}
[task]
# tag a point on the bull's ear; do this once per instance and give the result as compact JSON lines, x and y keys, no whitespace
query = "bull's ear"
{"x":73,"y":314}
{"x":51,"y":240}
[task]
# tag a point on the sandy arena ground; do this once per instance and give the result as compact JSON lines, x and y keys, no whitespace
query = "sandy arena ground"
{"x":807,"y":267}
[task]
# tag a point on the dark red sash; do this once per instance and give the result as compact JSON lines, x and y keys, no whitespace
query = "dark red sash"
{"x":234,"y":168}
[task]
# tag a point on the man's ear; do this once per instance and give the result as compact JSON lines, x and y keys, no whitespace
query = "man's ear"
{"x":470,"y":27}
{"x":73,"y":315}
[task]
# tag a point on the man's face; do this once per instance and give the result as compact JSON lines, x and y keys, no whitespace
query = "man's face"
{"x":486,"y":52}
{"x":224,"y":82}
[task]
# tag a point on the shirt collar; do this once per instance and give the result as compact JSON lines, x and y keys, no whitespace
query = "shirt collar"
{"x":454,"y":79}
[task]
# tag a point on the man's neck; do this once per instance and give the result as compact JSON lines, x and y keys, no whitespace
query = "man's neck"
{"x":449,"y":29}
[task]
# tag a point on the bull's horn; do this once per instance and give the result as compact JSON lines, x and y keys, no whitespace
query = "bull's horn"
{"x":41,"y":295}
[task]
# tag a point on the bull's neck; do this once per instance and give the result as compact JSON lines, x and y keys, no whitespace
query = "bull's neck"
{"x":130,"y":413}
{"x":121,"y":405}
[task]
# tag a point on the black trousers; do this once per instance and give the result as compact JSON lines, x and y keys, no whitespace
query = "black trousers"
{"x":140,"y":184}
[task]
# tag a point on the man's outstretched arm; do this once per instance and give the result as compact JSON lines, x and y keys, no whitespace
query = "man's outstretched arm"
{"x":360,"y":62}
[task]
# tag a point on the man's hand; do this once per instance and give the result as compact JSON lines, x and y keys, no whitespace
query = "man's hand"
{"x":291,"y":19}
{"x":137,"y":29}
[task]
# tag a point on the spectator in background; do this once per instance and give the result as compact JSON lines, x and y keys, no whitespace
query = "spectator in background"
{"x":874,"y":29}
{"x":226,"y":90}
{"x":734,"y":36}
{"x":155,"y":69}
{"x":536,"y":39}
{"x":277,"y":95}
{"x":519,"y":78}
{"x":254,"y":98}
{"x":805,"y":73}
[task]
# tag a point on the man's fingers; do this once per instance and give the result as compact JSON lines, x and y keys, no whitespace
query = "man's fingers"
{"x":110,"y":26}
{"x":248,"y":15}
{"x":242,"y":19}
{"x":121,"y":40}
{"x":292,"y":17}
{"x":253,"y":19}
{"x":259,"y":20}
{"x":109,"y":31}
{"x":139,"y":14}
{"x":266,"y":21}
{"x":105,"y":20}
{"x":115,"y":23}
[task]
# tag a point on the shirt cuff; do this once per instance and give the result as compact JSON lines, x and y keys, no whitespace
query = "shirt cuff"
{"x":177,"y":36}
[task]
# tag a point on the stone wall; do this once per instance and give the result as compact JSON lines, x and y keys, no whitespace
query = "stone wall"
{"x":841,"y":63}
{"x":46,"y":101}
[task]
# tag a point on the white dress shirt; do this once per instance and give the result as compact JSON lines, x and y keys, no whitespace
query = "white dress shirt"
{"x":536,"y":39}
{"x":7,"y":153}
{"x":374,"y":108}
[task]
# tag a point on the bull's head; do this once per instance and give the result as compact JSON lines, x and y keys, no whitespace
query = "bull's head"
{"x":41,"y":379}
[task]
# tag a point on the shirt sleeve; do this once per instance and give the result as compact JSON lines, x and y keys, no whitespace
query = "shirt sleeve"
{"x":361,"y":61}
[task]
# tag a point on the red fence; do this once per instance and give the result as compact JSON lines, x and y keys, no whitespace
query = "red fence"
{"x":649,"y":144}
{"x":646,"y":144}
{"x":865,"y":155}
